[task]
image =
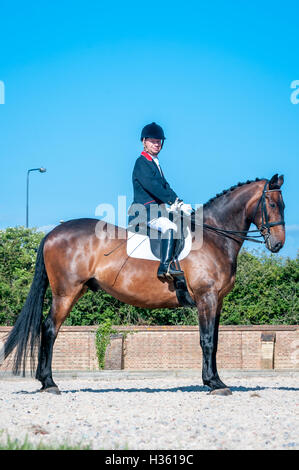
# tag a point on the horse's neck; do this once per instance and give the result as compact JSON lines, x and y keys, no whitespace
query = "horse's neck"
{"x":227,"y":212}
{"x":230,"y":212}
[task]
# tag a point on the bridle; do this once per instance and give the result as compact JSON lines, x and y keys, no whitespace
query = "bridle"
{"x":265,"y":224}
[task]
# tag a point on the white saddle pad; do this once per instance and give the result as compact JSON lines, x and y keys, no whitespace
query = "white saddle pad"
{"x":138,"y":246}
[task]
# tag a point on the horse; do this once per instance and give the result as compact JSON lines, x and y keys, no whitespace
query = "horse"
{"x":71,"y":259}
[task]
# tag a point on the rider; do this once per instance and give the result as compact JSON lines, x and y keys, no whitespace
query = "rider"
{"x":151,"y":187}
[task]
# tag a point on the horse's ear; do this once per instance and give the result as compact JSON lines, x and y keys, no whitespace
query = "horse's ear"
{"x":276,"y":181}
{"x":273,"y":183}
{"x":280,"y":180}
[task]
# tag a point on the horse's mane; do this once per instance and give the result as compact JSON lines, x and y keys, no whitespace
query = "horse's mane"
{"x":212,"y":199}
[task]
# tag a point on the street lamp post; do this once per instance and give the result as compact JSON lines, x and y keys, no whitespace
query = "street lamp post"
{"x":41,"y":170}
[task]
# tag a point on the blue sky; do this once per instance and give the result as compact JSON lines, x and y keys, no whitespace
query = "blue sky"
{"x":82,"y":79}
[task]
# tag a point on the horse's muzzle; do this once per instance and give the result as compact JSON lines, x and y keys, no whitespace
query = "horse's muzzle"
{"x":273,"y":245}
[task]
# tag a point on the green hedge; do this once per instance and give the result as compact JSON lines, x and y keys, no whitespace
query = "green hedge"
{"x":266,"y":290}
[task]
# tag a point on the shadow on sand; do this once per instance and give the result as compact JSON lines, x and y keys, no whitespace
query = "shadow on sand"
{"x":188,"y":389}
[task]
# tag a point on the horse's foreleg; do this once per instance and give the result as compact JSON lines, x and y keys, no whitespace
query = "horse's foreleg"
{"x":209,"y":315}
{"x":61,"y":307}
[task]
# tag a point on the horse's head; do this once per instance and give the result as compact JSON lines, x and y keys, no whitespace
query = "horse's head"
{"x":269,"y":214}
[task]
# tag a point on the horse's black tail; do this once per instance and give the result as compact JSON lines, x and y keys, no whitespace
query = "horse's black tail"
{"x":27,"y":328}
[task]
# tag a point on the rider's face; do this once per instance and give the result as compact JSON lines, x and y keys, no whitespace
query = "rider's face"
{"x":152,"y":146}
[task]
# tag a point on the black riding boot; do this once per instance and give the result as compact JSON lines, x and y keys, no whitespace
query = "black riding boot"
{"x":167,"y":268}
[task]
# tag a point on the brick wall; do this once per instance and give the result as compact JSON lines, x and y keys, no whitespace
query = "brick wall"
{"x":239,"y":347}
{"x":176,"y":347}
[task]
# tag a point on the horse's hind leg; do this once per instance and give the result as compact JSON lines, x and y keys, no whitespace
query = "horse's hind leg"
{"x":61,"y":307}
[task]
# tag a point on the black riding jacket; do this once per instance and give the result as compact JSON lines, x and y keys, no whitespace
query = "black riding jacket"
{"x":150,"y":187}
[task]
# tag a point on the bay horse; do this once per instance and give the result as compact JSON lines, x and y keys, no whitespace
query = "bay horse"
{"x":71,"y":258}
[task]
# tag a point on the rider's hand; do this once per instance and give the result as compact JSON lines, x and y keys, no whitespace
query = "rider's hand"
{"x":174,"y":207}
{"x":186,"y":208}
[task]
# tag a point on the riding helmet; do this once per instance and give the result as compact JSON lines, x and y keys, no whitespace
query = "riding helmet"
{"x":152,"y":131}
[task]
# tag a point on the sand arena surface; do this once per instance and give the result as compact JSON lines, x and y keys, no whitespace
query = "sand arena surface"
{"x":154,"y":412}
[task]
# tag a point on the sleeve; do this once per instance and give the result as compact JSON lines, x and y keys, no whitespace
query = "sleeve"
{"x":150,"y":183}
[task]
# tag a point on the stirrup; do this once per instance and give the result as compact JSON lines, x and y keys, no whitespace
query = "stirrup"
{"x":169,"y":273}
{"x":175,"y":272}
{"x":175,"y":269}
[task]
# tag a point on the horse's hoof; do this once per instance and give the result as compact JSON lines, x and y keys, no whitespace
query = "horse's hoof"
{"x":221,"y":391}
{"x":53,"y":390}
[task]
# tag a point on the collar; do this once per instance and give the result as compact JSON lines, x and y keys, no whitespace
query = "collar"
{"x":147,"y":156}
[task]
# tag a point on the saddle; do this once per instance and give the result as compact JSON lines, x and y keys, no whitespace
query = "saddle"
{"x":142,"y":246}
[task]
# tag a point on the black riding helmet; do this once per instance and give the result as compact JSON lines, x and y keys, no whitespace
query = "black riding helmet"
{"x":152,"y":131}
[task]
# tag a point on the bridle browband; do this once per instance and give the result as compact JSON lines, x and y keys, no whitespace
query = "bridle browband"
{"x":264,"y":225}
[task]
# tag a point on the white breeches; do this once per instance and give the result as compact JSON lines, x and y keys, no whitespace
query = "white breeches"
{"x":162,"y":224}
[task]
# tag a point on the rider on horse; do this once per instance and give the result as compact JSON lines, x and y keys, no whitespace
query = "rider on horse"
{"x":151,"y":187}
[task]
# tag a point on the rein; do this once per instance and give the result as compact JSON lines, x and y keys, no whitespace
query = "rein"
{"x":220,"y":231}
